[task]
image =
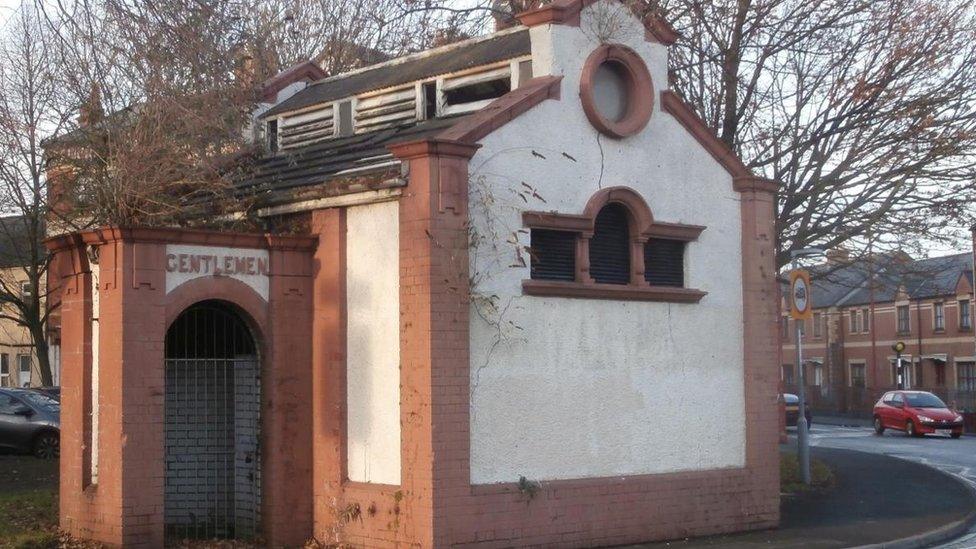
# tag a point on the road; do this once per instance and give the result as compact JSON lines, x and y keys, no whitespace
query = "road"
{"x":956,"y":457}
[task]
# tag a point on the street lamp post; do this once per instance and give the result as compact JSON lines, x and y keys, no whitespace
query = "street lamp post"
{"x":802,"y":434}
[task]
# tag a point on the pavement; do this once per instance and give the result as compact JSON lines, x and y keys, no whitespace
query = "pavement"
{"x":954,"y":457}
{"x":876,"y":499}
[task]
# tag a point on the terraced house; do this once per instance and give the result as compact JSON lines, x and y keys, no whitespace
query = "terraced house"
{"x":475,"y":317}
{"x":862,"y":308}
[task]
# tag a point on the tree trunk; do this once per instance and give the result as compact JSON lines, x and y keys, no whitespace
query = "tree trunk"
{"x":730,"y":76}
{"x":43,"y":356}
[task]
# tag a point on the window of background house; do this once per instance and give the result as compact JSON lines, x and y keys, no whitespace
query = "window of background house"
{"x":553,"y":255}
{"x":4,"y":371}
{"x":788,"y":374}
{"x":610,"y":246}
{"x":664,"y":262}
{"x":965,"y":319}
{"x":903,"y":320}
{"x":817,"y":325}
{"x":857,"y":375}
{"x":967,"y":376}
{"x":854,"y":327}
{"x":865,"y":320}
{"x":24,"y":370}
{"x":786,"y":328}
{"x":938,"y":311}
{"x":25,"y":289}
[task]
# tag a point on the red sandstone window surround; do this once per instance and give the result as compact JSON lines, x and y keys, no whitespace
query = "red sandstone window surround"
{"x":613,"y":250}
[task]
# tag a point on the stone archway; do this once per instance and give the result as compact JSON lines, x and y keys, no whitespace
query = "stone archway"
{"x":212,"y":482}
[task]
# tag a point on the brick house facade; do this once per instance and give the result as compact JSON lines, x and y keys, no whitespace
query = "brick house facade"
{"x":861,"y":309}
{"x":501,"y":275}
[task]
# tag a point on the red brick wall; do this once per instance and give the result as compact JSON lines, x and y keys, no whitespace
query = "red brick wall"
{"x":125,"y":507}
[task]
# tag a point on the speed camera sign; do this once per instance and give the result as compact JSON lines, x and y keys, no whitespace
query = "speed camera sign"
{"x":801,"y":306}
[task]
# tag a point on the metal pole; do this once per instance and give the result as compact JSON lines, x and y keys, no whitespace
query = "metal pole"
{"x":802,"y":441}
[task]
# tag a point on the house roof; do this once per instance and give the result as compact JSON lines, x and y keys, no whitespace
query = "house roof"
{"x":850,"y":284}
{"x":306,"y":70}
{"x":446,"y":59}
{"x":340,"y":157}
{"x":14,"y":248}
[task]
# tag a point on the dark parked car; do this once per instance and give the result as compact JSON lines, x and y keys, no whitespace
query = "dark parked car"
{"x":30,"y":422}
{"x":918,"y":413}
{"x":53,"y":392}
{"x":792,"y":407}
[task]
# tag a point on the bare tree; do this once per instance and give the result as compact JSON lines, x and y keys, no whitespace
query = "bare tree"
{"x":862,"y":109}
{"x":30,"y":110}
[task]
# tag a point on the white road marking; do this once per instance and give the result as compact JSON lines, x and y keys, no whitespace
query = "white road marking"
{"x":896,"y":444}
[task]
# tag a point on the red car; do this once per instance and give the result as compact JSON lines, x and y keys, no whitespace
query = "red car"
{"x":917,"y":413}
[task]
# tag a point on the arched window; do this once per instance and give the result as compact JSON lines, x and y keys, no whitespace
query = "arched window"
{"x":613,"y":250}
{"x":610,"y":246}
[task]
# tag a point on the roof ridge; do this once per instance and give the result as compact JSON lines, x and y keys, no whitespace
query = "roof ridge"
{"x":419,"y":54}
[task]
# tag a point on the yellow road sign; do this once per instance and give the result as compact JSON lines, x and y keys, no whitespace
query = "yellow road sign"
{"x":801,"y":306}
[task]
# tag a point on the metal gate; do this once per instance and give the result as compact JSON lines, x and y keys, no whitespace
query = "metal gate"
{"x":213,"y":472}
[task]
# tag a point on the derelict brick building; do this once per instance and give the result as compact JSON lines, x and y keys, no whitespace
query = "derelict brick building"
{"x":491,"y":332}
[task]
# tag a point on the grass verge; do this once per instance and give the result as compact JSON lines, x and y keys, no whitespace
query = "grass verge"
{"x":28,"y":503}
{"x":790,"y":481}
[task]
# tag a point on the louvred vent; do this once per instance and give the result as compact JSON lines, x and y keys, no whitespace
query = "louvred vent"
{"x":610,"y":246}
{"x":553,"y":255}
{"x":664,"y":262}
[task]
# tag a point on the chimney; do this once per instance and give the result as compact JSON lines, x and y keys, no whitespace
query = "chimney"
{"x":90,"y":112}
{"x":505,"y":12}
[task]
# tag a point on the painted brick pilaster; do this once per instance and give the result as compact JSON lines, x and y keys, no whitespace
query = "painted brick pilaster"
{"x":434,"y":344}
{"x":760,"y":301}
{"x":287,"y":391}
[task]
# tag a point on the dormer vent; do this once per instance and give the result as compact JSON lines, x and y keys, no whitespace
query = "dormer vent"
{"x":304,"y":128}
{"x":382,"y":110}
{"x":473,"y":91}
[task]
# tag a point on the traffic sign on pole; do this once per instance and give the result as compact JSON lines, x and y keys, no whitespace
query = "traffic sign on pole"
{"x":801,"y":306}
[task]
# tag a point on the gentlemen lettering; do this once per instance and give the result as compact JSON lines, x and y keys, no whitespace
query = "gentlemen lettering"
{"x":217,"y":265}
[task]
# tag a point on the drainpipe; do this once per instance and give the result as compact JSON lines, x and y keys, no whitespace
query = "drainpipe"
{"x":874,"y":328}
{"x":918,"y":366}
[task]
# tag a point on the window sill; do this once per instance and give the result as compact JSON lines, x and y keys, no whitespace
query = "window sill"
{"x":967,"y":330}
{"x":554,"y":288}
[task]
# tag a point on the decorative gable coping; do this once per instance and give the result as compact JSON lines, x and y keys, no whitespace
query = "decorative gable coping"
{"x":743,"y":178}
{"x":567,"y":12}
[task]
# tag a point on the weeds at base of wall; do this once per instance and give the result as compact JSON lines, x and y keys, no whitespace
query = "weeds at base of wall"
{"x":341,"y":517}
{"x":528,"y":488}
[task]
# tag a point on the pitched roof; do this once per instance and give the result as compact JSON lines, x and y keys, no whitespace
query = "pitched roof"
{"x":452,"y":58}
{"x":850,"y":284}
{"x":15,"y":250}
{"x":276,"y":176}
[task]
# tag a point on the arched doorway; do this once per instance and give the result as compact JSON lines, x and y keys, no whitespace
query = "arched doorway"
{"x":212,"y":422}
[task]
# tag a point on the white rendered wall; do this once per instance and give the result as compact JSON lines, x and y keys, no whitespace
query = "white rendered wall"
{"x":571,"y":388}
{"x":373,"y":343}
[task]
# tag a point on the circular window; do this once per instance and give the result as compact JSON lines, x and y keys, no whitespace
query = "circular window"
{"x":616,"y":91}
